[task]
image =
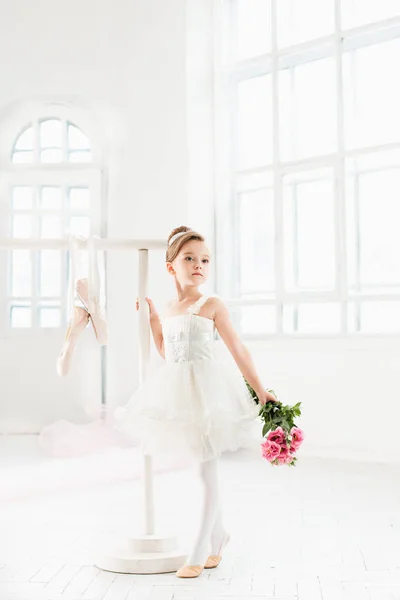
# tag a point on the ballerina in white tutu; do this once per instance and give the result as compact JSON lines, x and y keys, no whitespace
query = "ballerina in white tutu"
{"x":195,"y":405}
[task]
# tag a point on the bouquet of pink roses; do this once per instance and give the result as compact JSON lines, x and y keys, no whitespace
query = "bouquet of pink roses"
{"x":282,"y":436}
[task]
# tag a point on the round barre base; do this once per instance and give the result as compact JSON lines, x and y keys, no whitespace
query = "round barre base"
{"x":148,"y":554}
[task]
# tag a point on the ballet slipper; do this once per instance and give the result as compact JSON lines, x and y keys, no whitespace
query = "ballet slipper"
{"x":189,"y":571}
{"x":214,"y":559}
{"x":96,"y":315}
{"x":77,"y":324}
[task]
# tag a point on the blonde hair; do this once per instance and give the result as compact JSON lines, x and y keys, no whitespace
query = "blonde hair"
{"x":177,"y":245}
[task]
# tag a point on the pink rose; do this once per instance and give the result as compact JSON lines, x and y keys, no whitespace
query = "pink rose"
{"x":284,"y":450}
{"x":270,"y":450}
{"x":277,"y":436}
{"x":284,"y":453}
{"x":297,"y":436}
{"x":285,"y":459}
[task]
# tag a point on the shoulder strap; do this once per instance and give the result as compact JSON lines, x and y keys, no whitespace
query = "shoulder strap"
{"x":194,"y":308}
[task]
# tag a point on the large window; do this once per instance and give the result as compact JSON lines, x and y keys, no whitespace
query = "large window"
{"x":46,"y":195}
{"x":308,"y":171}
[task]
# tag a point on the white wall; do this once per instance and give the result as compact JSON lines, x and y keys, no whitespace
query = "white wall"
{"x":349,"y":391}
{"x":126,"y":63}
{"x":145,"y":69}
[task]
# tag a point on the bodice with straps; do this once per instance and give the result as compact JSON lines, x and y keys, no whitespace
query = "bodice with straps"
{"x":188,"y":336}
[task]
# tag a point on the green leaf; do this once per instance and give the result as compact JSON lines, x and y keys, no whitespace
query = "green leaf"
{"x":265,"y":429}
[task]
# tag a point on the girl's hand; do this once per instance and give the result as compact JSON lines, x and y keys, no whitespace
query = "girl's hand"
{"x":265,"y":397}
{"x":152,"y":309}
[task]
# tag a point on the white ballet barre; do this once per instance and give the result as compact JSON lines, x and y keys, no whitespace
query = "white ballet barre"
{"x":64,"y":244}
{"x":148,"y":553}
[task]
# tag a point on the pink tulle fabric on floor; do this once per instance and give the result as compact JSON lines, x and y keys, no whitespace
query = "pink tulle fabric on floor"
{"x":78,"y":456}
{"x":113,"y":465}
{"x":99,"y":441}
{"x":66,"y":440}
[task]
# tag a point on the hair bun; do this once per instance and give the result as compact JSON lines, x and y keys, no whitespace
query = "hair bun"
{"x":174,"y":232}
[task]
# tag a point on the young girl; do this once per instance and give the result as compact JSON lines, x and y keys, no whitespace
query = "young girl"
{"x":195,"y":405}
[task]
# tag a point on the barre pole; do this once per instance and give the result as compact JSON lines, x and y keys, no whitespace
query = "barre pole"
{"x":144,"y":358}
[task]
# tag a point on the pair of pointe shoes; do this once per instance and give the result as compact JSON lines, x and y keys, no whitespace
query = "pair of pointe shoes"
{"x":79,"y":320}
{"x":94,"y":311}
{"x":189,"y":571}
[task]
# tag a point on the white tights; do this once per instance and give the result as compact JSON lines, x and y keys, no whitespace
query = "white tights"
{"x":211,"y":531}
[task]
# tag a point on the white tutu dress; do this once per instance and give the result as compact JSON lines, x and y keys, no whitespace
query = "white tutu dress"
{"x":195,"y":405}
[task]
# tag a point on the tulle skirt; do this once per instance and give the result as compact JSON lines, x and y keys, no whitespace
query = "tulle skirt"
{"x":196,"y":409}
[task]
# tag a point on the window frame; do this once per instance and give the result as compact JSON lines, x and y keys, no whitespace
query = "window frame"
{"x":227,"y":74}
{"x":64,"y":174}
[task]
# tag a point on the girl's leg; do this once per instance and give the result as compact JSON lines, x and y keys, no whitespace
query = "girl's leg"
{"x":218,"y":533}
{"x":211,"y":529}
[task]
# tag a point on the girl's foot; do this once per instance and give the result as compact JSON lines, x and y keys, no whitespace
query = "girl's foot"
{"x":189,"y":571}
{"x":214,"y":559}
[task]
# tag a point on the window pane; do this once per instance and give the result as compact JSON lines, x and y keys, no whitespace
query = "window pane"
{"x":25,"y":140}
{"x":371,"y":94}
{"x":22,"y":226}
{"x":77,"y":140}
{"x":22,"y":198}
{"x":79,"y":226}
{"x":79,"y":198}
{"x":50,"y":273}
{"x":253,"y":25}
{"x":257,"y":239}
{"x":51,"y":133}
{"x":307,"y":110}
{"x":315,"y":235}
{"x":286,"y":114}
{"x":21,"y":316}
{"x":19,"y":157}
{"x":257,"y":319}
{"x":303,"y":20}
{"x":50,"y":227}
{"x":309,"y":239}
{"x":80,"y":156}
{"x":313,"y":317}
{"x":254,"y":181}
{"x":255,"y":122}
{"x":352,"y":233}
{"x":360,"y":12}
{"x":49,"y":317}
{"x":51,"y":197}
{"x":379,"y":218}
{"x":21,"y":273}
{"x":51,"y":156}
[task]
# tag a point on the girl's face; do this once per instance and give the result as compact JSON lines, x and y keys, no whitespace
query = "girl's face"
{"x":191,"y":266}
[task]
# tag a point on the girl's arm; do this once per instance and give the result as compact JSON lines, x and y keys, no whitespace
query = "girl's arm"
{"x":157,"y":334}
{"x":155,"y":325}
{"x":237,"y":348}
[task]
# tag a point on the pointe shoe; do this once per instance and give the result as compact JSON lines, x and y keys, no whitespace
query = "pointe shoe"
{"x":214,"y":559}
{"x":75,"y":328}
{"x":98,"y":320}
{"x":189,"y":571}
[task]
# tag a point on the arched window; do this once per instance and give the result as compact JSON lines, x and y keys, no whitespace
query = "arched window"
{"x":51,"y":141}
{"x":50,"y":182}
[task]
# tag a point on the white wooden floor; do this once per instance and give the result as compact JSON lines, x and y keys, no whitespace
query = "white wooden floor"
{"x":324,"y":530}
